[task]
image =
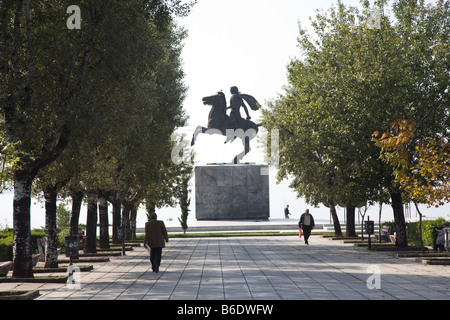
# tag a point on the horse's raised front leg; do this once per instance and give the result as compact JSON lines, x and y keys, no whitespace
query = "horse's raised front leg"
{"x":197,"y":131}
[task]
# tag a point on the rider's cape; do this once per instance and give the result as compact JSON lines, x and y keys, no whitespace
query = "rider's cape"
{"x":251,"y":101}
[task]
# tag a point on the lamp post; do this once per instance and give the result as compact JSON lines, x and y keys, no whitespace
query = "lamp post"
{"x":71,"y":251}
{"x":370,"y":229}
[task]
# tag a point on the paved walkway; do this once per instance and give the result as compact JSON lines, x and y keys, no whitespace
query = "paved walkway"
{"x":254,"y":268}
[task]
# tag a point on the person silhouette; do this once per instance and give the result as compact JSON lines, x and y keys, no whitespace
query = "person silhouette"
{"x":236,"y":103}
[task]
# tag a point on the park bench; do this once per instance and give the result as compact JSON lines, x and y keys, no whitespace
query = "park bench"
{"x":385,"y":234}
{"x":35,"y":259}
{"x":5,"y":266}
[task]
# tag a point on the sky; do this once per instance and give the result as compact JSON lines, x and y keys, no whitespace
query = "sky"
{"x":243,"y":43}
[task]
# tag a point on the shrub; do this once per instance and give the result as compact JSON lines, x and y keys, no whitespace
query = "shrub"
{"x":7,"y":239}
{"x":428,"y":230}
{"x":63,"y":232}
{"x":6,"y":247}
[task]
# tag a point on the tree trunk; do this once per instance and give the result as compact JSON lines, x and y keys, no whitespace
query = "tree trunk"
{"x":126,"y":212}
{"x":104,"y":223}
{"x":77,"y":199}
{"x":350,"y":229}
{"x":23,"y":266}
{"x":379,"y":221}
{"x":116,"y":216}
{"x":362,"y":221}
{"x":401,"y":240}
{"x":91,"y":227}
{"x":133,"y":216}
{"x":337,"y":225}
{"x":51,"y":232}
{"x":422,"y":248}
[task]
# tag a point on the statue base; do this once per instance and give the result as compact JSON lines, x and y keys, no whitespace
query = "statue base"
{"x":232,"y":192}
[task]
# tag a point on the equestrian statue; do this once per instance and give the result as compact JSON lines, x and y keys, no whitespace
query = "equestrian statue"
{"x":232,"y":126}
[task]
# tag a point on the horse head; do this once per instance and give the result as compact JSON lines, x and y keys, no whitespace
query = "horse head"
{"x":217,"y":100}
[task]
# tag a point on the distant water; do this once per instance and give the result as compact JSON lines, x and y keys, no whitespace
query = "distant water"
{"x":170,"y":215}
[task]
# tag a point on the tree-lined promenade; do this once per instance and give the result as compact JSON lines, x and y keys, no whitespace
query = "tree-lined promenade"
{"x":88,"y":112}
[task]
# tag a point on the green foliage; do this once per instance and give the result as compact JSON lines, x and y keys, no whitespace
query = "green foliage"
{"x":62,"y":216}
{"x":62,"y":234}
{"x":428,"y":230}
{"x":6,"y":243}
{"x":6,"y":247}
{"x":352,"y":80}
{"x":184,"y":199}
{"x":9,"y":161}
{"x":93,"y":107}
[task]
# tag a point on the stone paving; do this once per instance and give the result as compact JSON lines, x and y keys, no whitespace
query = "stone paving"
{"x":254,"y":268}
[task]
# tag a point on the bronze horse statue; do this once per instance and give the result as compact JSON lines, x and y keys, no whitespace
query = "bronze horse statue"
{"x":220,"y":123}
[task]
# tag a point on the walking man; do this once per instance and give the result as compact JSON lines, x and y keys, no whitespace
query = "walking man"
{"x":306,"y":223}
{"x":286,"y":212}
{"x":155,"y":238}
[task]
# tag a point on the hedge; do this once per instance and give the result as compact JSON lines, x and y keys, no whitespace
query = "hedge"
{"x":7,"y":239}
{"x":6,"y":248}
{"x":428,"y":230}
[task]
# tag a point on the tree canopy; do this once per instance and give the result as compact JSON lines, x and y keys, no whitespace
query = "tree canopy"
{"x":351,"y":80}
{"x":90,"y":108}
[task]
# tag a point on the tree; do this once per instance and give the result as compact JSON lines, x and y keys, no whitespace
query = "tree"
{"x":422,"y":167}
{"x":322,"y":131}
{"x":184,"y":199}
{"x":352,"y":81}
{"x":421,"y":171}
{"x":55,"y":87}
{"x":62,"y":216}
{"x":36,"y":90}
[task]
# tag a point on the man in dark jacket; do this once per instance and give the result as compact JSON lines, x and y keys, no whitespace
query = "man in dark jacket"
{"x":155,"y":238}
{"x":286,"y":212}
{"x":306,"y":223}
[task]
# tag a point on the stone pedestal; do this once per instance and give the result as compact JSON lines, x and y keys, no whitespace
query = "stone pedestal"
{"x":232,"y":191}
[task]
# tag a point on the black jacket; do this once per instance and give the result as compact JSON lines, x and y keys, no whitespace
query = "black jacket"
{"x":300,"y":223}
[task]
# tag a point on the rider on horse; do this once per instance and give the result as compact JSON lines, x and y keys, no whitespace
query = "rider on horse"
{"x":231,"y":126}
{"x":236,"y":103}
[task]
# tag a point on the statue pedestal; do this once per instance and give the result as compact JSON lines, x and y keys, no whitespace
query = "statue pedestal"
{"x":232,"y":191}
